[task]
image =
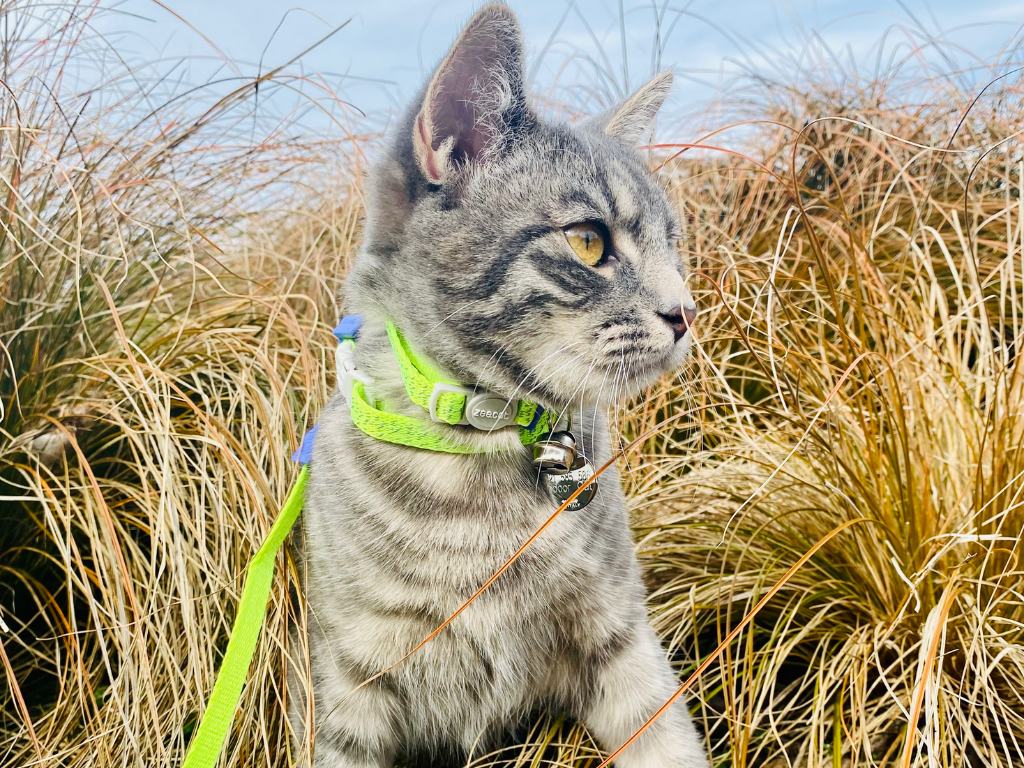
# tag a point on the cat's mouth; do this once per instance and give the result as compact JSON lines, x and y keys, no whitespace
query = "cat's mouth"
{"x":645,"y":366}
{"x":643,"y":354}
{"x":618,"y":362}
{"x":618,"y":375}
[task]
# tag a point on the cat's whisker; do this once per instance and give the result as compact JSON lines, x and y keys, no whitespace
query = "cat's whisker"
{"x":449,"y":316}
{"x":532,"y":370}
{"x":620,"y":403}
{"x":582,"y":390}
{"x":491,"y":366}
{"x":600,"y":393}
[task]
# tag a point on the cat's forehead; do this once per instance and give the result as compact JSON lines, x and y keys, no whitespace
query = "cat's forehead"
{"x":577,"y":174}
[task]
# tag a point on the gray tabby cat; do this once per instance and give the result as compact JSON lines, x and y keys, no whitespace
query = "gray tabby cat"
{"x":537,"y":260}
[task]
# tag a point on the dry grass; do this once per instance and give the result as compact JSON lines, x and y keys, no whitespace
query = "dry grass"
{"x":165,"y":298}
{"x":902,"y":267}
{"x":160,"y":305}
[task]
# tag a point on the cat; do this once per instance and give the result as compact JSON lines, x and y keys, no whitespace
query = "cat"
{"x":537,"y":260}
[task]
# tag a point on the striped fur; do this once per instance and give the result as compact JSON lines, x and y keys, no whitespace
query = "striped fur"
{"x":464,"y":251}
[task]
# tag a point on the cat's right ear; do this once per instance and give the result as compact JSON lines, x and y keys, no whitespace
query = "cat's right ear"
{"x":634,"y":117}
{"x":475,"y":100}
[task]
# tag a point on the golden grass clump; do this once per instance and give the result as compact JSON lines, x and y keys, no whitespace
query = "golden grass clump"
{"x":162,"y":278}
{"x":168,"y":277}
{"x":859,"y":361}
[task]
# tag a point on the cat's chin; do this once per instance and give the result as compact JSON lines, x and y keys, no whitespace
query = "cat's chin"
{"x":678,"y":355}
{"x":608,"y":384}
{"x":646,"y":372}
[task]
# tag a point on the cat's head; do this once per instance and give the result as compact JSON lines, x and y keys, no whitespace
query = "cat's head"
{"x":537,"y":259}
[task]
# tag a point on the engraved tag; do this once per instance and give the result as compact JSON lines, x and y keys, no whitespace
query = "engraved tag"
{"x":564,"y":485}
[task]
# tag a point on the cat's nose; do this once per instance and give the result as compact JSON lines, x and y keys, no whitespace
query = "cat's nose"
{"x":680,"y":319}
{"x":689,"y":314}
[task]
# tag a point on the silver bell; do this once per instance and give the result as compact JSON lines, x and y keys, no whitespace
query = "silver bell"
{"x":556,"y":453}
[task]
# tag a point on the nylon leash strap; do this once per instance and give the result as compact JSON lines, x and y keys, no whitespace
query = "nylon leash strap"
{"x":220,"y":712}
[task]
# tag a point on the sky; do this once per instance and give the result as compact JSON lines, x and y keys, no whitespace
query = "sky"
{"x":379,"y":59}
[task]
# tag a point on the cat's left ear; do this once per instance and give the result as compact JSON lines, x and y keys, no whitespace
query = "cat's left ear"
{"x":475,"y":100}
{"x":634,"y":118}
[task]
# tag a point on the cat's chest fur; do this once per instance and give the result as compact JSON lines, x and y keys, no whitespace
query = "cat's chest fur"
{"x":397,"y":540}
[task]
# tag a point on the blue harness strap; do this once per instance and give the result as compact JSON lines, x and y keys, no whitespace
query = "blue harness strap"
{"x":305,"y":453}
{"x":348,"y":328}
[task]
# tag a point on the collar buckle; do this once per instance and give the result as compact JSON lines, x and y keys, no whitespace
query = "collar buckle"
{"x":348,"y":374}
{"x":484,"y":410}
{"x":487,"y":411}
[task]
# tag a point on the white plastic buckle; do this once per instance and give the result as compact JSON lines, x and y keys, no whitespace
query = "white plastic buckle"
{"x":348,"y":374}
{"x":444,"y":388}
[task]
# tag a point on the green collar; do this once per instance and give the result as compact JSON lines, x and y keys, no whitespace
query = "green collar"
{"x":446,"y":402}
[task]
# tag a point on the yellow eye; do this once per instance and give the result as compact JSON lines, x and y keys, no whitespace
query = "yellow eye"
{"x":588,"y":242}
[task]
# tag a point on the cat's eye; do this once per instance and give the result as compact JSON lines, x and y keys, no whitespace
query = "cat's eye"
{"x":587,"y":240}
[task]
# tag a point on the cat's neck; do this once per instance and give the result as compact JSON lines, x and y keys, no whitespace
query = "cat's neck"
{"x":376,"y":359}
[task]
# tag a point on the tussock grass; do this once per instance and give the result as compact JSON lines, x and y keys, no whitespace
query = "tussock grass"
{"x":860,"y":352}
{"x":160,"y":305}
{"x":167,"y":284}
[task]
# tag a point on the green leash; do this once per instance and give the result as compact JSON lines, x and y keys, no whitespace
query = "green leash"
{"x":446,"y":402}
{"x":220,"y":712}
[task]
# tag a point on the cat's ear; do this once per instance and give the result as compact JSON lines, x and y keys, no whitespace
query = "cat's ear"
{"x":475,"y":99}
{"x":634,"y":118}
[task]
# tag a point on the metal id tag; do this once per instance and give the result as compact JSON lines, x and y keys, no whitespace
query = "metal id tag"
{"x":563,"y":485}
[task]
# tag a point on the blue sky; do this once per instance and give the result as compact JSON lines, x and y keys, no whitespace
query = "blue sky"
{"x":379,"y":59}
